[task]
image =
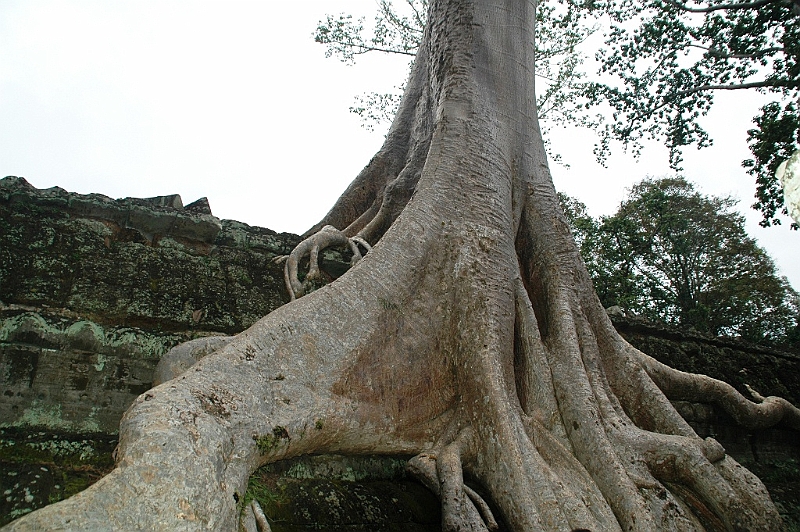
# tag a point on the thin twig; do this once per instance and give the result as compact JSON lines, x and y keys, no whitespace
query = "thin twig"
{"x":739,"y":5}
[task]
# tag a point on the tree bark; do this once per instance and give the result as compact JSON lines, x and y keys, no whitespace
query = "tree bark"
{"x":469,"y":337}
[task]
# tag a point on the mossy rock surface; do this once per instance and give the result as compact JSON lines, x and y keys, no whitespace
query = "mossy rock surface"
{"x":143,"y":263}
{"x":40,"y":468}
{"x":339,"y":505}
{"x":341,"y":493}
{"x":782,"y":478}
{"x":65,"y":374}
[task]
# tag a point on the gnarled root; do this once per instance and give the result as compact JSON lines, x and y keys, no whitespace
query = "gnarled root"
{"x":326,"y":237}
{"x":655,"y":472}
{"x":462,"y":508}
{"x":253,"y":518}
{"x":183,"y":356}
{"x":680,"y":386}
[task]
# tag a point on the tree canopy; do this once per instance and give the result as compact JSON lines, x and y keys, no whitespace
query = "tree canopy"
{"x":672,"y":254}
{"x":664,"y":60}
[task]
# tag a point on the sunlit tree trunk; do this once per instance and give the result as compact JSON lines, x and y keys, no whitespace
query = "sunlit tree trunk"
{"x":469,"y":337}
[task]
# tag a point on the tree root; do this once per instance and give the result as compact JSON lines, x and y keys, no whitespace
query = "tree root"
{"x":253,"y":518}
{"x":680,"y":386}
{"x":261,"y":519}
{"x":180,"y":358}
{"x":326,"y":237}
{"x":655,"y":472}
{"x":463,"y":509}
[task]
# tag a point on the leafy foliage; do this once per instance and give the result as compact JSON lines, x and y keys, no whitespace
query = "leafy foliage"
{"x":672,"y":254}
{"x":392,"y":33}
{"x":661,"y":65}
{"x":375,"y":108}
{"x":775,"y":138}
{"x":664,"y":60}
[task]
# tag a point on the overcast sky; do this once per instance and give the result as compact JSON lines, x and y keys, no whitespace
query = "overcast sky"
{"x":233,"y":100}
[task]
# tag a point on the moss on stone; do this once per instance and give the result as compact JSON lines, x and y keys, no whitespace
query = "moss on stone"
{"x":327,"y":493}
{"x":41,"y":468}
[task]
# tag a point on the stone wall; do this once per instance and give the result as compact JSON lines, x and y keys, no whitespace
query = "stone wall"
{"x":93,"y":291}
{"x":774,"y":454}
{"x":767,"y":371}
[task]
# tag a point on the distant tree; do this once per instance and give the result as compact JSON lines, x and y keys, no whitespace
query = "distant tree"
{"x":673,"y":254}
{"x":664,"y":60}
{"x":584,"y":227}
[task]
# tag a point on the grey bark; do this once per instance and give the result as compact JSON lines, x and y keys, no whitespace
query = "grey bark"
{"x":469,"y":337}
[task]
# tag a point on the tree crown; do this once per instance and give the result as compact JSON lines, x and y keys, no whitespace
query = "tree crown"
{"x":672,"y":254}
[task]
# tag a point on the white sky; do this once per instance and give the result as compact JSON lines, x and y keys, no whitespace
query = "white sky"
{"x":234,"y":101}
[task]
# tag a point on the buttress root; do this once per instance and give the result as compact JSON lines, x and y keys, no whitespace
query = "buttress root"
{"x":463,"y":509}
{"x":254,"y":519}
{"x":327,"y":237}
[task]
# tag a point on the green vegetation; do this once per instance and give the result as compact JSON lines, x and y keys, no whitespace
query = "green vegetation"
{"x":262,"y":488}
{"x":663,"y":62}
{"x":671,"y":254}
{"x":268,"y":442}
{"x":774,"y":139}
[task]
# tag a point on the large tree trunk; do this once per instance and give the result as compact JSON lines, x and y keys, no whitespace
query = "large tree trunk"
{"x":469,"y":337}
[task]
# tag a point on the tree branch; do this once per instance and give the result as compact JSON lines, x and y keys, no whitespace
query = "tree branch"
{"x":396,"y":21}
{"x":739,"y":5}
{"x":420,"y":18}
{"x":363,"y":49}
{"x":755,"y":55}
{"x":787,"y":83}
